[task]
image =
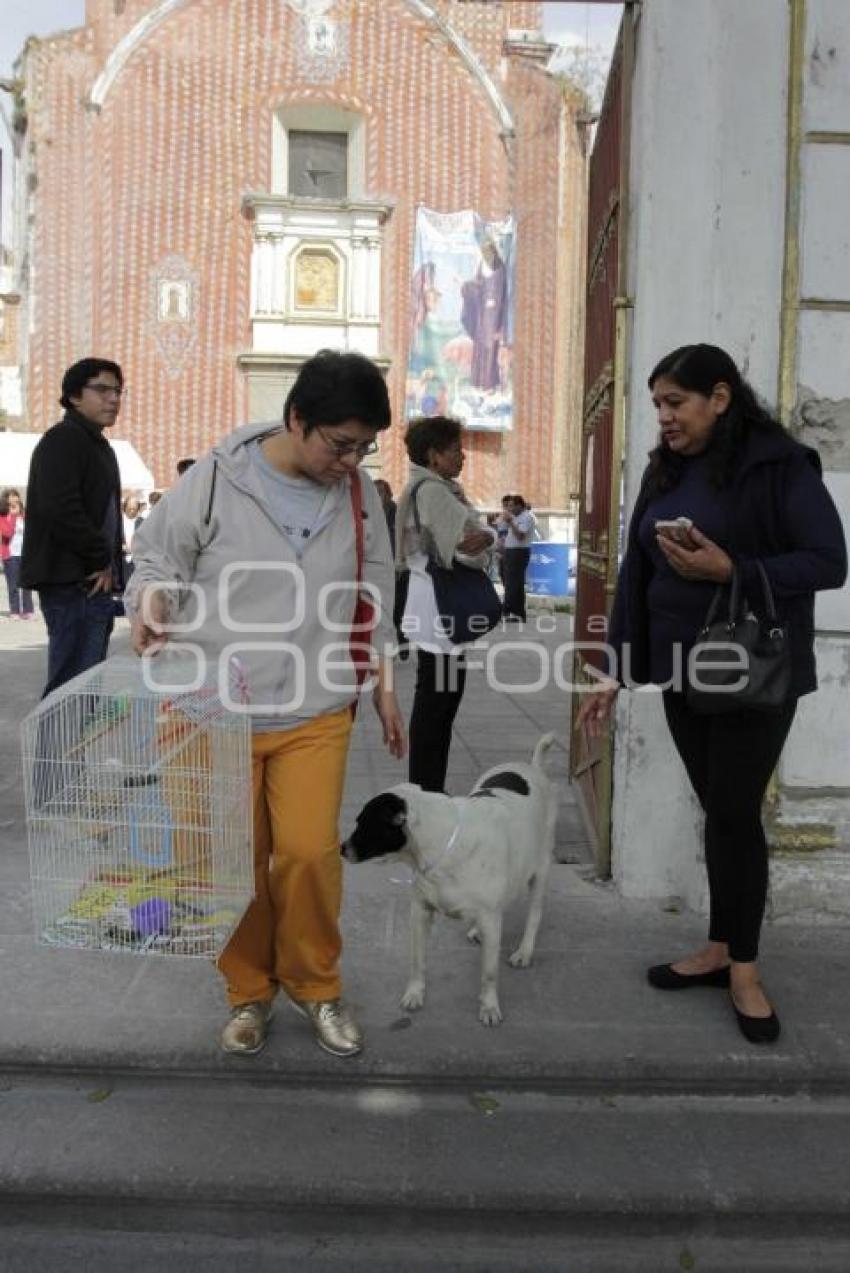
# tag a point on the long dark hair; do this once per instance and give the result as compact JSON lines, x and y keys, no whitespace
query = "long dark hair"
{"x":5,"y":495}
{"x":699,"y":369}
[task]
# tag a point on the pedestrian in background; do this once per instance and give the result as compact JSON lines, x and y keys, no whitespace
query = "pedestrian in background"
{"x":757,"y":501}
{"x":519,"y":529}
{"x":11,"y":545}
{"x":449,"y":529}
{"x":72,"y":534}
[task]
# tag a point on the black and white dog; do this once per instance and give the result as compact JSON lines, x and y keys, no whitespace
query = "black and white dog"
{"x":471,"y":856}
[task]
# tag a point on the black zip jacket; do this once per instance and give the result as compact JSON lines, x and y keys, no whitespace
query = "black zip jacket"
{"x":73,"y":476}
{"x":780,"y":514}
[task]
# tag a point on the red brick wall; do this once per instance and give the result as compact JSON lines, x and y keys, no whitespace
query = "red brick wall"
{"x":187,"y":128}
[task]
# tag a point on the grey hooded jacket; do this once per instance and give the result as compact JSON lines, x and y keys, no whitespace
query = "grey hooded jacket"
{"x":238,"y":589}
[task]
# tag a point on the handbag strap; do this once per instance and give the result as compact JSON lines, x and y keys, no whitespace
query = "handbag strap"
{"x":770,"y":605}
{"x":714,"y":606}
{"x":417,"y":523}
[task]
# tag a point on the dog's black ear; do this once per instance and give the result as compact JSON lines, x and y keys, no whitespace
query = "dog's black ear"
{"x":400,"y":817}
{"x":397,"y":809}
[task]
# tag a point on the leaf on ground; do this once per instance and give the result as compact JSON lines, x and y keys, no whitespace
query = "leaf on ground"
{"x":487,"y":1105}
{"x":401,"y":1023}
{"x":672,"y":909}
{"x":100,"y":1094}
{"x":687,"y":1260}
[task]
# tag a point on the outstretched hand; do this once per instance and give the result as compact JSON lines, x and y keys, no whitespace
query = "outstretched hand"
{"x":705,"y":560}
{"x":392,"y":721}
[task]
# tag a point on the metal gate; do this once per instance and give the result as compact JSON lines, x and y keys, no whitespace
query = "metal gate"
{"x":603,"y":425}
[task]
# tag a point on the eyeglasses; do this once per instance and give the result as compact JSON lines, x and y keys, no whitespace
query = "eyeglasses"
{"x":107,"y":391}
{"x":342,"y":449}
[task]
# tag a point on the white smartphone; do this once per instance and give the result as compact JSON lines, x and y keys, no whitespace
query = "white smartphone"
{"x":678,"y":529}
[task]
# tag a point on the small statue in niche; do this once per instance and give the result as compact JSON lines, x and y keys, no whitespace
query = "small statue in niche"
{"x":173,"y":301}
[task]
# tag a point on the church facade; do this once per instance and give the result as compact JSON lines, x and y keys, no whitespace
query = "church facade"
{"x":211,"y":190}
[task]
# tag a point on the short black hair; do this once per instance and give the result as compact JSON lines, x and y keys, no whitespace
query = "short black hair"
{"x":78,"y":376}
{"x":431,"y":433}
{"x":183,"y":465}
{"x":333,"y":387}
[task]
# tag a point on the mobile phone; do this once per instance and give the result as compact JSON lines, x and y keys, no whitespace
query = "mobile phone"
{"x":678,"y":529}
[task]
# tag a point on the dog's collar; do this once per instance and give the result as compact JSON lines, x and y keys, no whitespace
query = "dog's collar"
{"x":450,"y":844}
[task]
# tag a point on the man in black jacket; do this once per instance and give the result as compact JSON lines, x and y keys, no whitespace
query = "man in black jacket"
{"x":73,"y":531}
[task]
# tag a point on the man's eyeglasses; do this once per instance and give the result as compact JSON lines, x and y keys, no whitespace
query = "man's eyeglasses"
{"x":107,"y":391}
{"x":342,"y":449}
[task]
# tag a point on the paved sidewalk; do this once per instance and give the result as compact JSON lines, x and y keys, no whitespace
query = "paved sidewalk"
{"x":583,"y":1014}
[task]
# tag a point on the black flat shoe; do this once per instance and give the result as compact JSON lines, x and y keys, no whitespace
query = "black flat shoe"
{"x":757,"y":1029}
{"x":665,"y":977}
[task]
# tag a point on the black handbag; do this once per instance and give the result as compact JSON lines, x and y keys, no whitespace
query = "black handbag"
{"x":742,"y":661}
{"x":468,"y":604}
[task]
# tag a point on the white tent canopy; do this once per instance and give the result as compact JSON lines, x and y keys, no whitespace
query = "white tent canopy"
{"x":16,"y":451}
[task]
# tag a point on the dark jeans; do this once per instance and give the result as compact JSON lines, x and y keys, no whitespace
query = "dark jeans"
{"x":78,"y":630}
{"x":440,"y":682}
{"x":729,"y":760}
{"x":516,"y":563}
{"x":20,"y":599}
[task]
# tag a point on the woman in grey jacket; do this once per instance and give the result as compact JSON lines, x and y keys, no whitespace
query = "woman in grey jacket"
{"x":449,"y":529}
{"x":272,"y":531}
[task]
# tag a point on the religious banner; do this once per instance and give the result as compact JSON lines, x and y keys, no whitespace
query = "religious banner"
{"x":461,"y":319}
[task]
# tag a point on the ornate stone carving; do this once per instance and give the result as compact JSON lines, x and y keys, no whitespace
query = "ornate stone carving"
{"x":317,"y":281}
{"x":173,"y":322}
{"x":322,"y":40}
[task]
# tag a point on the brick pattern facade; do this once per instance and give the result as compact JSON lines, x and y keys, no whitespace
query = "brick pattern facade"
{"x":157,"y":174}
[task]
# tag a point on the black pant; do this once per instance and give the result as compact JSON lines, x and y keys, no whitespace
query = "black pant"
{"x":440,"y":682}
{"x":729,"y":760}
{"x":516,"y":564}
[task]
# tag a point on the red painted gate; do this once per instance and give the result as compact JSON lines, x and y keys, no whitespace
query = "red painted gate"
{"x":602,"y":442}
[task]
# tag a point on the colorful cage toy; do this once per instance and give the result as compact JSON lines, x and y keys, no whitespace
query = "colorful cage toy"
{"x":138,"y":814}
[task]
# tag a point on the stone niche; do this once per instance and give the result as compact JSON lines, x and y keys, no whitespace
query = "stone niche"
{"x":315,"y":284}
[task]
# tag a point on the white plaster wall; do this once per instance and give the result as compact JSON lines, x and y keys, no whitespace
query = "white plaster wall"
{"x":817,"y":753}
{"x":656,"y":848}
{"x":826,"y":105}
{"x":825,"y":238}
{"x":706,"y":251}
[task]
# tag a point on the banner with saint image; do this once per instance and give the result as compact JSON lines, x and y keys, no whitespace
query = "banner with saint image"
{"x":461,"y":319}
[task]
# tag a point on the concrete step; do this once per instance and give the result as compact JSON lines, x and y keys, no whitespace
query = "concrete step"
{"x":90,"y":1163}
{"x":191,"y":1241}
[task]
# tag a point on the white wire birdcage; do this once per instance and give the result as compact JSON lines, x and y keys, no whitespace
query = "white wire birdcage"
{"x":139,"y":815}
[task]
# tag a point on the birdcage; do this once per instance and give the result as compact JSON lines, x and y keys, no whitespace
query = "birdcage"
{"x":138,"y":814}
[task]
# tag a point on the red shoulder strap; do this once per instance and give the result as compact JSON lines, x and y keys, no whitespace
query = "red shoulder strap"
{"x":364,"y":612}
{"x":356,"y":490}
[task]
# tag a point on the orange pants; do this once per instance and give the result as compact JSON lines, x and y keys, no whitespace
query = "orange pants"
{"x":289,"y":936}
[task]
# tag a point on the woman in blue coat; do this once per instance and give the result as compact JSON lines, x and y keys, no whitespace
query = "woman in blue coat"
{"x":755,"y":498}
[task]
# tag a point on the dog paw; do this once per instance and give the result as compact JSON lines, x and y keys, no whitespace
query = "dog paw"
{"x":490,"y":1014}
{"x":473,"y":935}
{"x":413,"y":998}
{"x":520,"y":958}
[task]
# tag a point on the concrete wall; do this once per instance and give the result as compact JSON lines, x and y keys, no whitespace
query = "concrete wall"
{"x":820,"y":752}
{"x":706,"y":252}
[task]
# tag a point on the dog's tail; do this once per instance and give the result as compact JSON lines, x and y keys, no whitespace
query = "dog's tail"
{"x":541,"y":749}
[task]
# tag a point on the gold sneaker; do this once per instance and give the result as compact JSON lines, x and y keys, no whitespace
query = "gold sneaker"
{"x":333,"y":1025}
{"x":245,"y":1032}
